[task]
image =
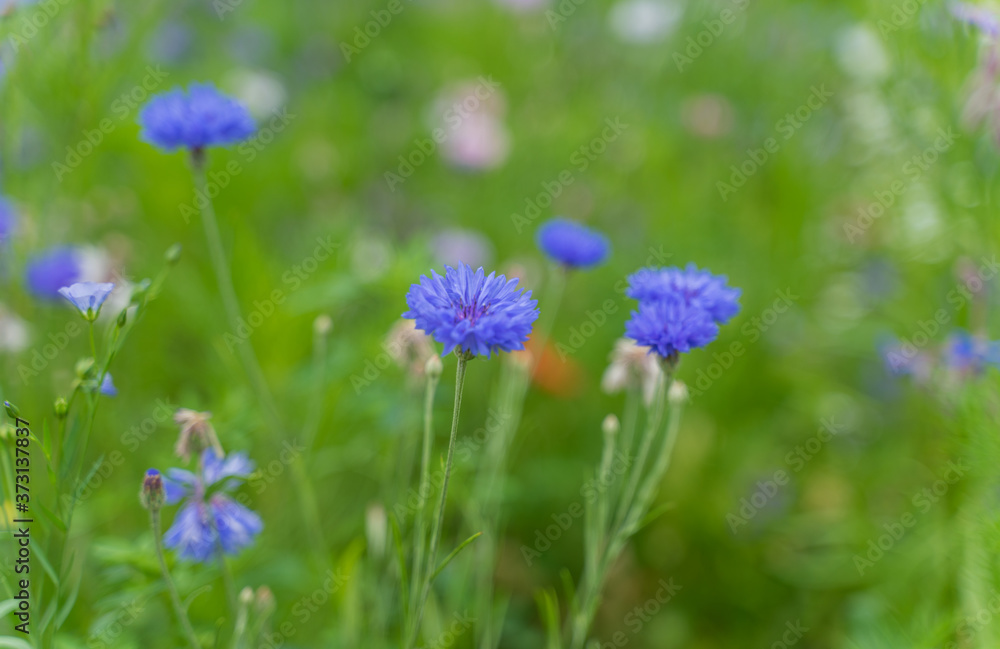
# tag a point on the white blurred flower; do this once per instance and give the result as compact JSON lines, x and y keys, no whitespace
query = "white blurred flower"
{"x":263,"y":93}
{"x":14,"y":335}
{"x":860,"y":54}
{"x":469,"y":119}
{"x":631,"y":366}
{"x":645,"y":21}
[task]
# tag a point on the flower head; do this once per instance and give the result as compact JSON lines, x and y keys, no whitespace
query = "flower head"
{"x":695,"y":287}
{"x":978,"y":16}
{"x":108,"y":387}
{"x":572,"y":244}
{"x":195,"y":119}
{"x":904,"y":359}
{"x":477,"y":313}
{"x":967,"y":353}
{"x":671,"y":326}
{"x":632,"y":366}
{"x":210,"y":518}
{"x":197,"y":433}
{"x":49,"y":271}
{"x":409,"y":347}
{"x":8,"y":219}
{"x":88,"y":297}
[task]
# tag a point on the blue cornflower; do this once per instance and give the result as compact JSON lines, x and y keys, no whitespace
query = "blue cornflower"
{"x":671,"y":326}
{"x":8,"y":219}
{"x":210,"y":517}
{"x":978,"y":16}
{"x":108,"y":388}
{"x":572,"y":244}
{"x":477,"y":313}
{"x":88,"y":297}
{"x":693,"y":286}
{"x":904,"y":359}
{"x":49,"y":271}
{"x":195,"y":119}
{"x":967,"y":353}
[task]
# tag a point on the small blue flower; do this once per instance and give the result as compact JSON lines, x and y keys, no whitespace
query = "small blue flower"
{"x":971,"y":354}
{"x":108,"y":387}
{"x":978,"y":16}
{"x":206,"y":522}
{"x":199,"y":118}
{"x":477,"y":313}
{"x":671,"y":326}
{"x":8,"y":219}
{"x":691,"y":285}
{"x":88,"y":297}
{"x":572,"y":244}
{"x":49,"y":271}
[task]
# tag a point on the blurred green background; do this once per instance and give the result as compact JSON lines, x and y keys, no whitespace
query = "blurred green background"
{"x":895,"y":75}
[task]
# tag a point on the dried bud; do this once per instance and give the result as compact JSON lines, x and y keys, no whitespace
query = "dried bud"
{"x":323,"y":325}
{"x":196,"y":434}
{"x":152,"y":495}
{"x":246,"y":596}
{"x":610,"y":425}
{"x":376,"y":529}
{"x":433,"y":367}
{"x":11,"y":409}
{"x":678,"y":393}
{"x":61,"y":408}
{"x":265,"y":604}
{"x":173,"y":254}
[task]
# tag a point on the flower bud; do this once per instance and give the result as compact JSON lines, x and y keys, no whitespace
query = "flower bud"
{"x":433,"y":367}
{"x":173,"y":254}
{"x":61,"y":408}
{"x":265,"y":603}
{"x":139,"y":291}
{"x":322,"y":325}
{"x":246,"y":597}
{"x":610,"y":425}
{"x":678,"y":393}
{"x":122,"y":318}
{"x":11,"y":409}
{"x":85,"y":368}
{"x":152,"y":495}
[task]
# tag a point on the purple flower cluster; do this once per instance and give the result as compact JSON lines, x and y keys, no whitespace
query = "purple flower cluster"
{"x":679,"y":310}
{"x":962,"y":353}
{"x":476,"y":313}
{"x":210,"y":518}
{"x":198,"y":118}
{"x":571,"y":244}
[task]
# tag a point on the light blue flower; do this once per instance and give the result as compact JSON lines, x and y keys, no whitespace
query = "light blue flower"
{"x":971,"y":354}
{"x":572,"y":244}
{"x":210,"y":518}
{"x":200,"y":117}
{"x":108,"y":387}
{"x":88,"y":297}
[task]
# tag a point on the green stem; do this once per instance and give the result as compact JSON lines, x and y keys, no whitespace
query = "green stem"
{"x":419,"y":533}
{"x":227,"y":576}
{"x":224,"y":280}
{"x":439,"y":519}
{"x":175,"y":600}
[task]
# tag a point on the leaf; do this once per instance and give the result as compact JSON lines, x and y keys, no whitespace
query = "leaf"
{"x":50,"y":516}
{"x":454,"y":553}
{"x":7,"y":606}
{"x":74,"y":592}
{"x":548,"y":607}
{"x":36,"y":553}
{"x":13,"y":643}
